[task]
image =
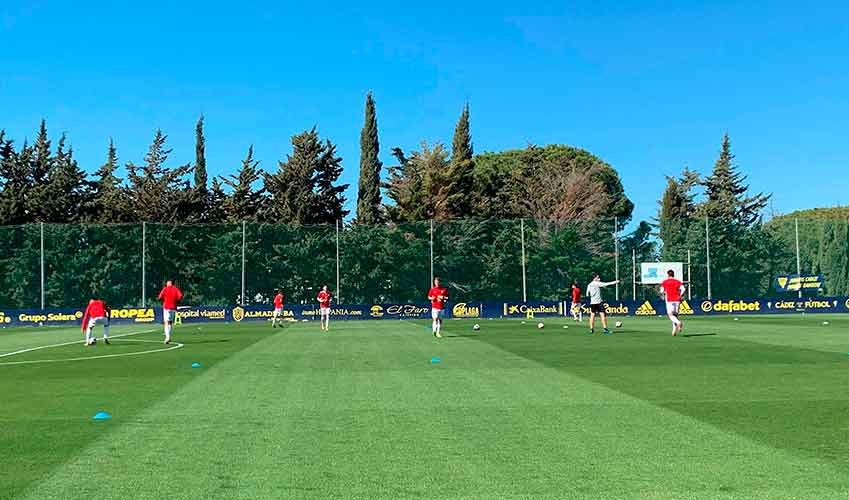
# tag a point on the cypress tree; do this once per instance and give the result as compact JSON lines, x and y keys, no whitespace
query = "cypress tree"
{"x":460,"y":179}
{"x":675,"y":213}
{"x":200,"y":157}
{"x":368,"y":194}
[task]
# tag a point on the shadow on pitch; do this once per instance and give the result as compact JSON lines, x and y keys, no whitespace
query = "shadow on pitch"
{"x":686,"y":335}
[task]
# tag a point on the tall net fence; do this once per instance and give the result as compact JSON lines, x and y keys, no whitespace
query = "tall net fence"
{"x":53,"y":265}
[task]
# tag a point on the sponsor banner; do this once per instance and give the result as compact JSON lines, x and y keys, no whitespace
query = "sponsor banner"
{"x":808,"y":304}
{"x":136,"y":315}
{"x":400,"y":311}
{"x":200,"y":314}
{"x":460,"y":310}
{"x":523,"y":309}
{"x":67,"y":317}
{"x":795,"y":282}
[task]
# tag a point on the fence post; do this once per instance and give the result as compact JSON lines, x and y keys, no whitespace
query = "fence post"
{"x":689,"y":276}
{"x":707,"y":252}
{"x":42,"y":265}
{"x":431,"y":255}
{"x":798,"y":258}
{"x":616,"y":252}
{"x":524,"y":270}
{"x":143,"y":259}
{"x":338,"y":290}
{"x":634,"y":274}
{"x":244,"y":238}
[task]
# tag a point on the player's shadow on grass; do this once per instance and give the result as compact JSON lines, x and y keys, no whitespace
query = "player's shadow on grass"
{"x":188,"y":342}
{"x":686,"y":335}
{"x":461,"y":335}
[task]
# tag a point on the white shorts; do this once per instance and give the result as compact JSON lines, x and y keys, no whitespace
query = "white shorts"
{"x":672,"y":307}
{"x":437,"y":313}
{"x":103,"y":320}
{"x":324,"y":311}
{"x":169,"y":315}
{"x":278,"y":311}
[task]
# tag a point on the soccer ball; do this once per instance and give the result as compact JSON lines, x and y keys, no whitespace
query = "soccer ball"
{"x":618,"y":324}
{"x":476,"y":327}
{"x":540,"y":325}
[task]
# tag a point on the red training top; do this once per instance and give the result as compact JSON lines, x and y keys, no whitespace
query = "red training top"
{"x":278,"y":301}
{"x":324,"y":299}
{"x":672,"y":287}
{"x":576,"y":295}
{"x":169,"y":296}
{"x":95,"y":309}
{"x":438,"y":296}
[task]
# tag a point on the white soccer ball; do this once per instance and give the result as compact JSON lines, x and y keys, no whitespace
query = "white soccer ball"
{"x":618,"y":324}
{"x":825,"y":322}
{"x":540,"y":325}
{"x":476,"y":327}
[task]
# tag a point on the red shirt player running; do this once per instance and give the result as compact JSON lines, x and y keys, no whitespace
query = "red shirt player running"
{"x":97,"y":313}
{"x":278,"y":309}
{"x":672,"y":289}
{"x":438,"y":296}
{"x":170,"y":297}
{"x":324,"y":297}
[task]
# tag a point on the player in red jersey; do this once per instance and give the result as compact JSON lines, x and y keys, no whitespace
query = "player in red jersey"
{"x":577,"y":313}
{"x":170,"y":297}
{"x":438,"y":296}
{"x":97,"y":313}
{"x":672,"y":289}
{"x":278,"y":309}
{"x":324,"y":297}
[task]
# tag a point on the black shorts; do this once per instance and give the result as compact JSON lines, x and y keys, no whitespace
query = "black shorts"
{"x":597,"y":308}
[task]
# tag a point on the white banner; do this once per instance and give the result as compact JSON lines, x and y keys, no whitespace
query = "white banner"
{"x":653,"y":273}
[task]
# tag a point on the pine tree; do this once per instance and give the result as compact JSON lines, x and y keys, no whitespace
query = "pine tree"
{"x":108,"y":202}
{"x":726,"y":192}
{"x":368,"y":194}
{"x":40,"y":164}
{"x":216,"y":200}
{"x":418,"y":187}
{"x":303,"y":190}
{"x":14,"y":183}
{"x":460,"y":179}
{"x":244,"y":202}
{"x":157,"y":193}
{"x":66,"y":188}
{"x":328,"y":199}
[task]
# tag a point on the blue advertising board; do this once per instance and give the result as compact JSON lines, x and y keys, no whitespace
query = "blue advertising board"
{"x":460,"y":310}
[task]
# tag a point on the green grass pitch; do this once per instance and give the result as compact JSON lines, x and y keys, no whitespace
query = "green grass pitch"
{"x":750,"y":409}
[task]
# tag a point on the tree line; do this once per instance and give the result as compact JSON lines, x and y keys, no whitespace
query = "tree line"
{"x":574,"y":207}
{"x":747,"y":253}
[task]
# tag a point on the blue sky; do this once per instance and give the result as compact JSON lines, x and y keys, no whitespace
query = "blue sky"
{"x":648,"y":86}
